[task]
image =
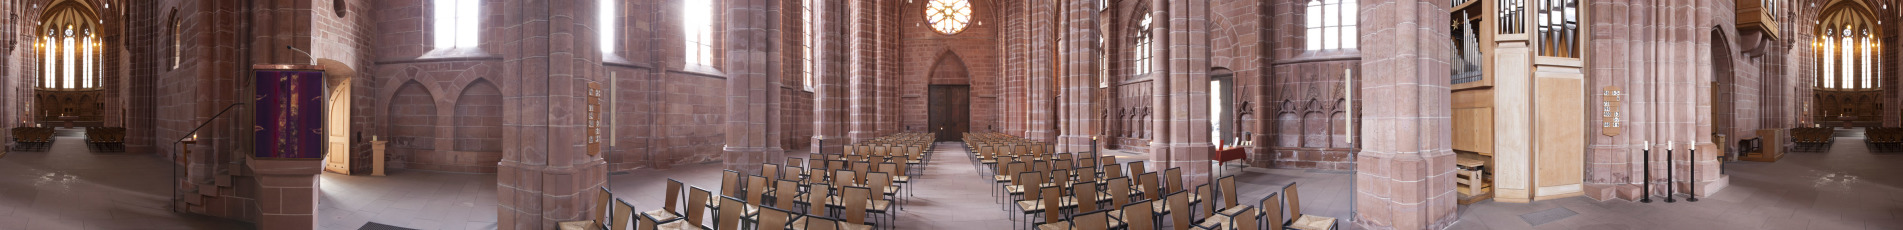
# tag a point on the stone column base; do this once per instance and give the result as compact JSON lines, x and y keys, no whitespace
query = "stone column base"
{"x":287,"y":192}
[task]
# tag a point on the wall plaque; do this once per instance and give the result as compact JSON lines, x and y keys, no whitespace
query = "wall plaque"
{"x":594,"y":118}
{"x":1609,"y":121}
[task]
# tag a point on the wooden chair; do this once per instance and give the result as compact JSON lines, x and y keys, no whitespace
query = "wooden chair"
{"x":880,"y":202}
{"x":603,"y":199}
{"x":1085,"y":176}
{"x":756,"y":192}
{"x":899,"y":180}
{"x":1112,"y":171}
{"x":1030,"y":199}
{"x":1089,"y":162}
{"x":1137,"y":216}
{"x":771,"y":219}
{"x":1107,"y":160}
{"x":862,"y":168}
{"x":729,"y":218}
{"x":623,"y":214}
{"x":672,"y":209}
{"x":786,"y":194}
{"x":1178,"y":210}
{"x":818,"y":197}
{"x":1146,"y":184}
{"x":854,"y":202}
{"x":1303,"y":221}
{"x":1060,"y":178}
{"x":1087,"y":196}
{"x":1095,"y":220}
{"x":1227,"y":187}
{"x":1271,"y":210}
{"x":1206,"y":209}
{"x":771,"y":172}
{"x":1137,"y":167}
{"x":1119,"y":189}
{"x":729,"y":185}
{"x":697,"y":206}
{"x":1173,"y":180}
{"x":792,"y":173}
{"x":1053,"y":204}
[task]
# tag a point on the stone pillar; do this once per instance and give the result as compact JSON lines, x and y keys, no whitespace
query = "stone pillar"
{"x":831,"y":93}
{"x":288,"y":191}
{"x":864,"y":70}
{"x":546,"y":176}
{"x":1080,"y":73}
{"x":1043,"y":111}
{"x":1182,"y":94}
{"x":753,"y":104}
{"x":1406,"y":166}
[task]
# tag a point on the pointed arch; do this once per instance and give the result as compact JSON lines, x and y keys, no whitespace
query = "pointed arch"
{"x":949,"y":69}
{"x":479,"y":118}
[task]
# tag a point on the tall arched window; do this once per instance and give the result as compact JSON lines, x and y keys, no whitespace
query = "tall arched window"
{"x":456,"y":23}
{"x":178,"y":50}
{"x":1331,"y":24}
{"x":66,"y":62}
{"x":808,"y":40}
{"x":1848,"y":50}
{"x":697,"y":25}
{"x":49,"y":46}
{"x":86,"y":73}
{"x":1142,"y":53}
{"x":608,"y":25}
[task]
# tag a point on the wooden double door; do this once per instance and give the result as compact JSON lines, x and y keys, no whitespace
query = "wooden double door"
{"x":950,"y":112}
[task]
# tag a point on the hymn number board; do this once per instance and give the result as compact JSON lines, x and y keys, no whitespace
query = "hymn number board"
{"x":594,"y":118}
{"x":1609,"y":121}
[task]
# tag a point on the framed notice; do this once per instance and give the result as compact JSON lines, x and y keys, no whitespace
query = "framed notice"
{"x":289,"y":112}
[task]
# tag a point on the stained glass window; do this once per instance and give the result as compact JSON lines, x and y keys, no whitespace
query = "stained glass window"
{"x":808,"y":40}
{"x":948,"y":16}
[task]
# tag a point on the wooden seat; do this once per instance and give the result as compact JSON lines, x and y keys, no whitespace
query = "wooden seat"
{"x":603,"y":199}
{"x":623,"y":214}
{"x":1303,"y":221}
{"x":649,"y":222}
{"x":1136,"y":215}
{"x":672,"y":208}
{"x":729,"y":218}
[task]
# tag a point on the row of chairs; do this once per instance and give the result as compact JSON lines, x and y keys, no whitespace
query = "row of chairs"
{"x":105,"y":135}
{"x":1814,"y":135}
{"x":33,"y":135}
{"x":1883,"y":135}
{"x":847,"y":188}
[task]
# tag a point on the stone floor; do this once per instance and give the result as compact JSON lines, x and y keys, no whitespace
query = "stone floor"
{"x":1847,"y":187}
{"x":69,"y":187}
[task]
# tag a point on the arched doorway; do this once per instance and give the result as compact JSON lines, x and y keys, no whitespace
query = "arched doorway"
{"x":950,"y":96}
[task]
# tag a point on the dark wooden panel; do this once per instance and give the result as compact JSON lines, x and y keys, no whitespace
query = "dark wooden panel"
{"x":950,"y":111}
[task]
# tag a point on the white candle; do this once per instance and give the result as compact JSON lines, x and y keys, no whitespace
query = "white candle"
{"x":1646,"y":144}
{"x":1348,"y":88}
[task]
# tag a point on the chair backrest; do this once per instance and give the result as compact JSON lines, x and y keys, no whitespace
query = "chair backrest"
{"x":623,"y":213}
{"x":791,"y":173}
{"x":1179,"y":209}
{"x":1173,"y":179}
{"x":1138,"y":216}
{"x":879,"y":182}
{"x":793,"y":161}
{"x":1062,"y":163}
{"x":1119,"y":191}
{"x":914,"y":150}
{"x":697,"y":206}
{"x":1107,"y":160}
{"x":854,"y":203}
{"x":891,"y":169}
{"x":1053,"y":204}
{"x":1030,"y":181}
{"x":845,"y":178}
{"x":835,"y":165}
{"x":817,"y":162}
{"x":862,"y":168}
{"x":1061,"y":178}
{"x":1294,"y":201}
{"x":1208,"y":200}
{"x":821,"y":223}
{"x":673,"y":196}
{"x":1138,"y":167}
{"x":1112,"y":171}
{"x":784,"y":195}
{"x":1084,"y":175}
{"x":1096,"y":220}
{"x":1246,"y":219}
{"x":1227,"y":186}
{"x":1271,"y":210}
{"x":730,"y":211}
{"x":1151,"y":190}
{"x":756,"y":190}
{"x":730,"y":183}
{"x":771,"y":172}
{"x":603,"y":199}
{"x":816,"y":198}
{"x":771,"y":218}
{"x":1086,"y":196}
